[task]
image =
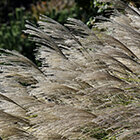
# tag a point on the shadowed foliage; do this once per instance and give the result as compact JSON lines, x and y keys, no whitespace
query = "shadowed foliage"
{"x":87,"y":88}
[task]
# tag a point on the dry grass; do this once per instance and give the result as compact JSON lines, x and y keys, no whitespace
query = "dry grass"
{"x":87,"y":88}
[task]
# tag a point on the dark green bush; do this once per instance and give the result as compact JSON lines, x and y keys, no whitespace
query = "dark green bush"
{"x":8,"y":6}
{"x":90,"y":9}
{"x":85,"y":11}
{"x":11,"y":35}
{"x":61,"y":16}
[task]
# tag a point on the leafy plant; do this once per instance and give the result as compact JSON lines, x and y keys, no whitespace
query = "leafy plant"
{"x":91,"y":9}
{"x":11,"y":35}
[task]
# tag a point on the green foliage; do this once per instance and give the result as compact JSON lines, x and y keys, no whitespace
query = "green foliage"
{"x":8,"y":6}
{"x":11,"y":35}
{"x":97,"y":133}
{"x":91,"y":9}
{"x":85,"y":11}
{"x":61,"y":16}
{"x":110,"y":138}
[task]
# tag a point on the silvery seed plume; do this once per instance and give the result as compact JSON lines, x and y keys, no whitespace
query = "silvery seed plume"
{"x":87,"y":88}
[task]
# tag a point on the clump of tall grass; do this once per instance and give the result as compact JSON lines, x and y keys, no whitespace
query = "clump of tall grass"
{"x":87,"y":87}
